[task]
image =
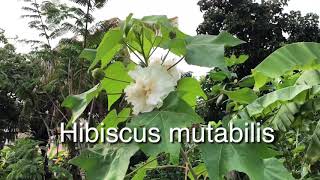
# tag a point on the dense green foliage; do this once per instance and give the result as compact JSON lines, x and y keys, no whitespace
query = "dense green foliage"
{"x":87,"y":81}
{"x":264,"y":26}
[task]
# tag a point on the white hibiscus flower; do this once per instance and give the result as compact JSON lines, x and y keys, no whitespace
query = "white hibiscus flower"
{"x":168,"y":63}
{"x":152,"y":85}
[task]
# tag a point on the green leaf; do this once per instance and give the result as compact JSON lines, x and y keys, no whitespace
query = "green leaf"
{"x":218,"y":76}
{"x":175,"y":113}
{"x":274,"y":170}
{"x":302,"y":55}
{"x":247,"y":81}
{"x":142,"y":172}
{"x":223,"y":158}
{"x":189,"y":89}
{"x":313,"y":153}
{"x":282,"y":95}
{"x":112,"y":119}
{"x":208,"y":50}
{"x":156,"y":19}
{"x":284,"y":117}
{"x":116,"y":80}
{"x":233,"y":60}
{"x":127,"y":24}
{"x":243,"y":96}
{"x":89,"y":54}
{"x":176,"y":46}
{"x":105,"y":162}
{"x":200,"y":170}
{"x":311,"y":78}
{"x":78,"y":103}
{"x":109,"y":46}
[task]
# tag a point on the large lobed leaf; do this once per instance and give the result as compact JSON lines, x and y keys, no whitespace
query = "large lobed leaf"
{"x":175,"y":113}
{"x":106,"y":162}
{"x":189,"y":89}
{"x":248,"y":158}
{"x":274,"y":170}
{"x":116,"y":80}
{"x":109,"y":46}
{"x":208,"y":50}
{"x":79,"y":103}
{"x":88,"y":54}
{"x":142,"y":172}
{"x":243,"y":96}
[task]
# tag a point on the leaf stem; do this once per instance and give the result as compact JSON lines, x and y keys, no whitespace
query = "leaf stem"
{"x":133,"y":51}
{"x":175,"y":63}
{"x":141,"y":42}
{"x":168,"y":166}
{"x":117,"y":79}
{"x":152,"y":45}
{"x":165,"y":56}
{"x":115,"y":93}
{"x":186,"y":160}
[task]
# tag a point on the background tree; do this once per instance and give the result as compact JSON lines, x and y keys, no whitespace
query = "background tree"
{"x":90,"y":6}
{"x":33,"y":85}
{"x":264,"y":26}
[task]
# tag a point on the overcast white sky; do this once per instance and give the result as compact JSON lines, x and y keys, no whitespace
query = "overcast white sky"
{"x":187,"y":11}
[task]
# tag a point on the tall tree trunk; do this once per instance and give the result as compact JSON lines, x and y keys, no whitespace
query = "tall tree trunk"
{"x":85,"y":37}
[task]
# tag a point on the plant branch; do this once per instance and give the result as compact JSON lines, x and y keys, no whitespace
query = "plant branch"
{"x":57,"y":107}
{"x":186,"y":160}
{"x":91,"y":109}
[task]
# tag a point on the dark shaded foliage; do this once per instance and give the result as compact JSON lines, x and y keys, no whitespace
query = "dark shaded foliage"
{"x":264,"y":26}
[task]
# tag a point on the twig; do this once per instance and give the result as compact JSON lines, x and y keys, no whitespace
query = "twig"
{"x":165,"y":56}
{"x":186,"y":172}
{"x":91,"y":109}
{"x":186,"y":160}
{"x":47,"y":127}
{"x":57,"y":107}
{"x":175,"y":63}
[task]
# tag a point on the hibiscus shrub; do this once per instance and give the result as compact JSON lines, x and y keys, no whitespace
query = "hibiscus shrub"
{"x":146,"y":91}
